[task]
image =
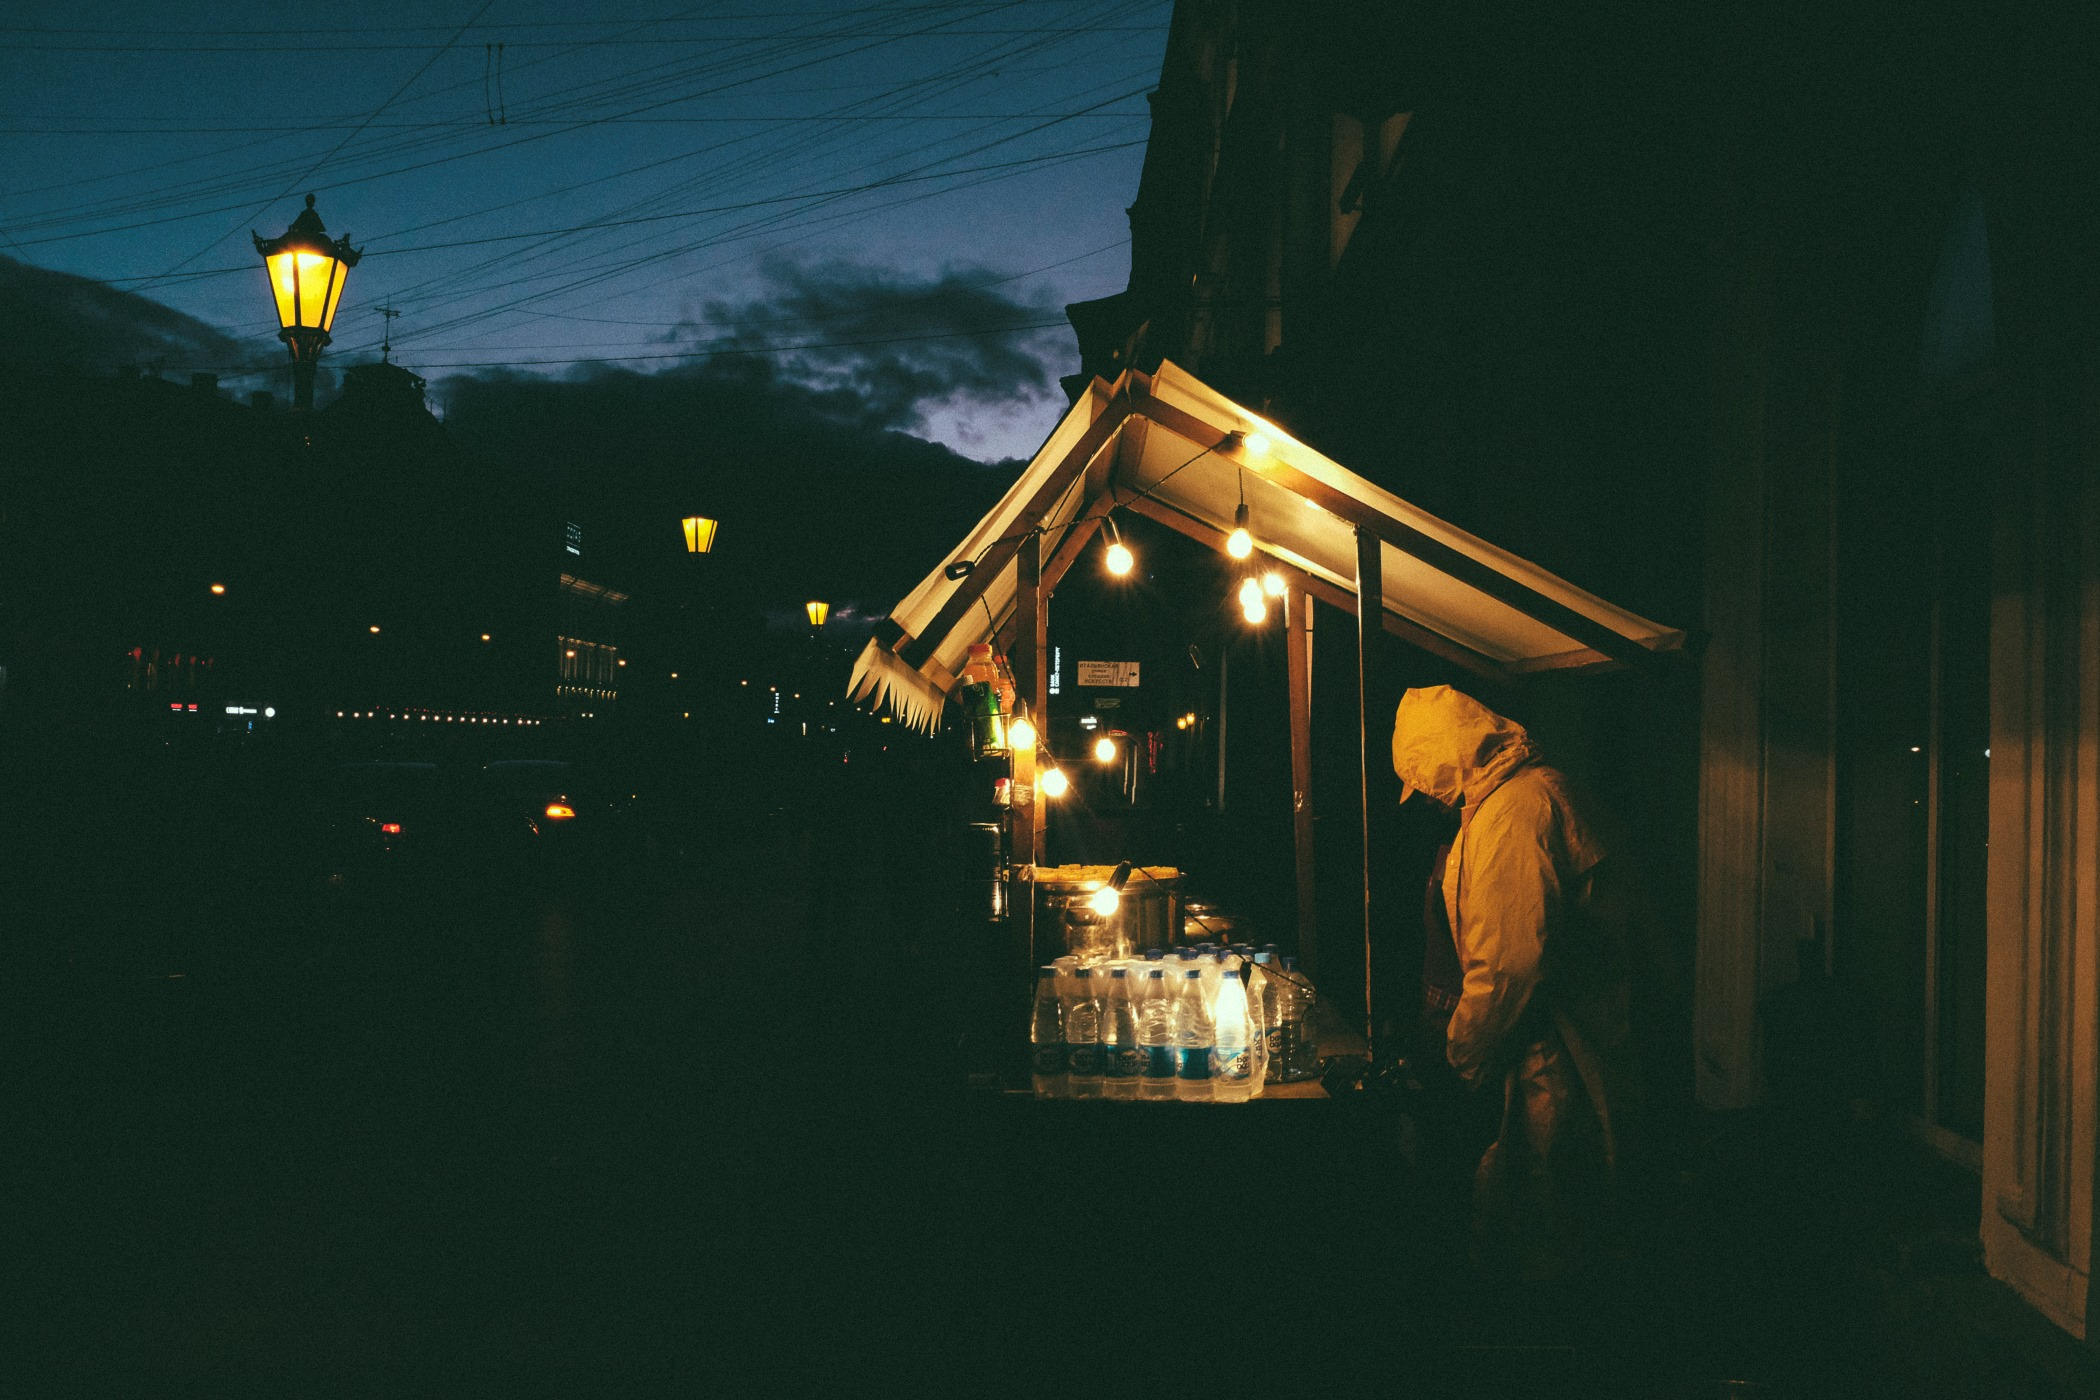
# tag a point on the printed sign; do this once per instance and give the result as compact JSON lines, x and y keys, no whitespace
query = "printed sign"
{"x":1098,"y":674}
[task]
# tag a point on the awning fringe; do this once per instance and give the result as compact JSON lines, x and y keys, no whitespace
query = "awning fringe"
{"x":912,"y":698}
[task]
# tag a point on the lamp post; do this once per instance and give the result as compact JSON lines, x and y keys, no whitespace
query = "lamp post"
{"x":818,"y":610}
{"x":306,"y":272}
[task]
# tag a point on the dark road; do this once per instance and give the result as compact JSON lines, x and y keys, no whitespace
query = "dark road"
{"x":690,"y":1113}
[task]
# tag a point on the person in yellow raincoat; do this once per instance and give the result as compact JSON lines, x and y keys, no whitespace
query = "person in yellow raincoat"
{"x":1541,"y":1019}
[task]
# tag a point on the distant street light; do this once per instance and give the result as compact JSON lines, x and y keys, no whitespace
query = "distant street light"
{"x":218,"y":590}
{"x":374,"y":629}
{"x":817,"y":611}
{"x":699,"y":534}
{"x":306,"y":279}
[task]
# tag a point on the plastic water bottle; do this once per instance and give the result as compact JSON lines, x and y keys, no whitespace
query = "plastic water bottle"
{"x":1046,"y":1039}
{"x":1083,"y":1037}
{"x":1155,"y":1037}
{"x":1302,"y":1048}
{"x":1232,"y":1058}
{"x":1262,"y":992}
{"x":1196,"y":1037}
{"x":1257,"y":1025}
{"x":1120,"y":1056}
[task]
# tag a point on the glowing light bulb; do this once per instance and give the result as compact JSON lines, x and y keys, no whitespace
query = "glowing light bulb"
{"x":1256,"y":612}
{"x":1272,"y":584}
{"x":1240,"y":543}
{"x":1105,"y":901}
{"x":1120,"y":559}
{"x":1021,"y":733}
{"x":1257,"y":445}
{"x":1054,"y":783}
{"x":1250,"y":592}
{"x":1104,"y":750}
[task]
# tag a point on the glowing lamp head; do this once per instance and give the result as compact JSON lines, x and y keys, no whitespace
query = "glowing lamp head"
{"x":373,"y":629}
{"x":1256,"y":444}
{"x":218,"y":590}
{"x":1105,"y":901}
{"x":560,"y":811}
{"x":1240,"y":543}
{"x":1181,"y":721}
{"x":1054,"y":783}
{"x":306,"y":271}
{"x":1104,"y":750}
{"x":1119,"y":559}
{"x":1021,"y":734}
{"x":818,"y":610}
{"x":699,"y":534}
{"x":1272,"y":584}
{"x":1256,"y":612}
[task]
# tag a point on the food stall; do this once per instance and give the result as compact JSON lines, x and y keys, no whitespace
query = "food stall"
{"x":1301,"y":531}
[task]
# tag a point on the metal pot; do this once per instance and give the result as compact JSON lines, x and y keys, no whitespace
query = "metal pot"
{"x":1145,"y":917}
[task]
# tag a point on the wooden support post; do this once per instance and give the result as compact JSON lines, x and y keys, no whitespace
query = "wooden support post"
{"x":1372,"y":702}
{"x":1030,"y":661}
{"x":1297,"y":625}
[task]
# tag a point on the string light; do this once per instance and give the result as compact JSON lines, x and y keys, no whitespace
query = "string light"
{"x":1271,"y":584}
{"x":1021,"y":734}
{"x":1104,"y":750}
{"x":1054,"y":783}
{"x":1119,"y":558}
{"x":1240,"y":543}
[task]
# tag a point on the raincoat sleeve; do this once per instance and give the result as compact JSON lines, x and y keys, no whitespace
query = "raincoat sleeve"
{"x":1509,"y":896}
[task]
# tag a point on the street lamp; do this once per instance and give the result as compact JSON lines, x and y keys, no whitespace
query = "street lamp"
{"x":817,"y":611}
{"x":306,"y":278}
{"x":699,"y":534}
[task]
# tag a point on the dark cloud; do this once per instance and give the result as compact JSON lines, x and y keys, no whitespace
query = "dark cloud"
{"x":888,"y":349}
{"x":55,"y":317}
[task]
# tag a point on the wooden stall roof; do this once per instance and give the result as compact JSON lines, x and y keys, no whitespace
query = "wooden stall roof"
{"x":1171,"y":448}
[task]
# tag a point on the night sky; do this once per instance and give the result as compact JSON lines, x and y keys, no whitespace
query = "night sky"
{"x":894,"y":200}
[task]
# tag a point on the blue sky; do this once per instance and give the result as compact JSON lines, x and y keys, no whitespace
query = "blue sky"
{"x":625,"y":182}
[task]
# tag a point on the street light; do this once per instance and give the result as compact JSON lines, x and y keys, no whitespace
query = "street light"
{"x":818,"y":611}
{"x":306,"y":278}
{"x":699,"y":534}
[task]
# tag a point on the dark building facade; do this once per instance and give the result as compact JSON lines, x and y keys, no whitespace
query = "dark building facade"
{"x":1778,"y":329}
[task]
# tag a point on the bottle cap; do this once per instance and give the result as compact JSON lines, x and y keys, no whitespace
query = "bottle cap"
{"x":1192,"y":972}
{"x":1084,"y":972}
{"x":1264,"y":957}
{"x":1153,"y":955}
{"x":1154,"y":975}
{"x":1115,"y":974}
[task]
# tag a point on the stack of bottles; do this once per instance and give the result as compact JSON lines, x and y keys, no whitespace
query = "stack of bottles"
{"x":1203,"y":1024}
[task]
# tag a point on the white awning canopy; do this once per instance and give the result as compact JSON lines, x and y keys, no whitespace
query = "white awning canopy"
{"x":1169,"y":447}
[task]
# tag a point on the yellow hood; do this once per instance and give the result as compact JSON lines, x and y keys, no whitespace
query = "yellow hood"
{"x":1454,"y":748}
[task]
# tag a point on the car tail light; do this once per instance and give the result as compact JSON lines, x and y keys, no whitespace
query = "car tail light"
{"x":560,"y":811}
{"x":391,"y":828}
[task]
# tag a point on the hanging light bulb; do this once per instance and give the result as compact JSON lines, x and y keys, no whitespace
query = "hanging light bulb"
{"x":1021,"y":734}
{"x":1272,"y":584}
{"x":1106,"y":900}
{"x":1054,"y":783}
{"x":1120,"y":560}
{"x":1256,"y":445}
{"x":1250,"y":591}
{"x":1239,"y":544}
{"x":1104,"y":750}
{"x":1256,"y":612}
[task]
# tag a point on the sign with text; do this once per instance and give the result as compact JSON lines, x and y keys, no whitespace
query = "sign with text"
{"x":1095,"y":675}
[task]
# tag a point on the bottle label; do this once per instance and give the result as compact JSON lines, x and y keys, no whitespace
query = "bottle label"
{"x":1049,"y":1059}
{"x":1085,"y":1060}
{"x":1233,"y":1064}
{"x":1122,"y":1063}
{"x":1159,"y":1062}
{"x":1195,"y":1062}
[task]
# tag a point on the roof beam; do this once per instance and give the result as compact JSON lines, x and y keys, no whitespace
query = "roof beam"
{"x":915,"y":651}
{"x":1435,"y":643}
{"x":1565,"y":620}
